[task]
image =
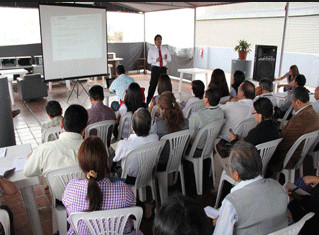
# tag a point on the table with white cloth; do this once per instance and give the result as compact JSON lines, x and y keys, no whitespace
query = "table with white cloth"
{"x":9,"y":73}
{"x":193,"y":72}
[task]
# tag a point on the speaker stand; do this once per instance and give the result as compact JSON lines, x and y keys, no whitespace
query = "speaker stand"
{"x":77,"y":82}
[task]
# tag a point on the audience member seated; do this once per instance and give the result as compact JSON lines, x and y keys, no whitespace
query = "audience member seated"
{"x":133,"y":100}
{"x":54,"y":111}
{"x":291,"y":75}
{"x":170,"y":121}
{"x":98,"y":111}
{"x":211,"y":113}
{"x":181,"y":215}
{"x":265,"y":89}
{"x":62,"y":152}
{"x":304,"y":121}
{"x":299,"y":205}
{"x":315,"y":104}
{"x":198,"y":89}
{"x":237,"y":78}
{"x":97,"y":191}
{"x":164,"y":84}
{"x":141,"y":125}
{"x":219,"y":79}
{"x":7,"y":188}
{"x":255,"y":205}
{"x":119,"y":86}
{"x":240,"y":110}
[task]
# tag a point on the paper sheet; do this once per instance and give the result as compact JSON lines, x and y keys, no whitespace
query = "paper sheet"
{"x":4,"y":169}
{"x":114,"y":145}
{"x":19,"y":163}
{"x":211,"y":212}
{"x":289,"y":185}
{"x":3,"y":152}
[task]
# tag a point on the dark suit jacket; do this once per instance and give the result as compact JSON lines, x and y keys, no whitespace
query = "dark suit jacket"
{"x":304,"y":122}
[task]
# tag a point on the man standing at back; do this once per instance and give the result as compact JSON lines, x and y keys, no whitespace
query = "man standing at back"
{"x":158,"y":56}
{"x":98,"y":112}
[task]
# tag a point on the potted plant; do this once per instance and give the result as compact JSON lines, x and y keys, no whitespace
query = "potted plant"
{"x":243,"y":49}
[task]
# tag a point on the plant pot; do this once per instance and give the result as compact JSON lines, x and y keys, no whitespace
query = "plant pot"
{"x":242,"y":55}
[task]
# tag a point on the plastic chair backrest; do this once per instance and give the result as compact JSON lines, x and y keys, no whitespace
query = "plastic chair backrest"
{"x":178,"y":142}
{"x":104,"y":130}
{"x":309,"y":140}
{"x":153,"y":113}
{"x":285,"y":117}
{"x":243,"y":127}
{"x":147,"y":157}
{"x":53,"y":131}
{"x":126,"y":116}
{"x":209,"y":132}
{"x":5,"y":221}
{"x":295,"y":228}
{"x":193,"y":108}
{"x":266,"y":150}
{"x":113,"y":221}
{"x":64,"y":176}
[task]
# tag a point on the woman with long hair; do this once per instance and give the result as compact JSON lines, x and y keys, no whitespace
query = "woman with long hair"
{"x":96,"y":191}
{"x":237,"y":78}
{"x":164,"y":84}
{"x":219,"y":79}
{"x":171,"y":120}
{"x":291,"y":75}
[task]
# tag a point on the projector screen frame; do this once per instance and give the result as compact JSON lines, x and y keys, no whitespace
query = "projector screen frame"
{"x":43,"y":58}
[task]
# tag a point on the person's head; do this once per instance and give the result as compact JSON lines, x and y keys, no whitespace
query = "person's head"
{"x":93,"y":161}
{"x":293,"y":71}
{"x":219,"y":79}
{"x":263,"y":109}
{"x":198,"y":88}
{"x":141,"y":122}
{"x":299,"y":98}
{"x":75,"y":119}
{"x":96,"y":93}
{"x":181,"y":215}
{"x":300,"y":80}
{"x":171,"y":111}
{"x":246,"y":90}
{"x":237,"y":79}
{"x":120,"y":69}
{"x":317,"y":93}
{"x":211,"y":96}
{"x":53,"y":109}
{"x":133,"y":98}
{"x":164,"y":84}
{"x":244,"y":161}
{"x":158,"y":40}
{"x":266,"y":85}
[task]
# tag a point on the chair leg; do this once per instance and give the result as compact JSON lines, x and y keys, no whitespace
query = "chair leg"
{"x":213,"y":171}
{"x":220,"y":187}
{"x":62,"y":221}
{"x":142,"y":194}
{"x":198,"y":171}
{"x":301,"y":171}
{"x":163,"y":185}
{"x":181,"y":172}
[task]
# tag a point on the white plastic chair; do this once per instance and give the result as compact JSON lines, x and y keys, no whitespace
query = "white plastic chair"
{"x":114,"y":221}
{"x":126,"y":117}
{"x":178,"y":142}
{"x":309,"y":140}
{"x":266,"y":150}
{"x":315,"y":154}
{"x":5,"y":221}
{"x":193,"y":108}
{"x":295,"y":228}
{"x":63,"y":176}
{"x":153,"y":113}
{"x":210,"y":133}
{"x":224,"y":99}
{"x":243,"y":127}
{"x":54,"y":131}
{"x":283,"y":121}
{"x":147,"y":157}
{"x":104,"y":130}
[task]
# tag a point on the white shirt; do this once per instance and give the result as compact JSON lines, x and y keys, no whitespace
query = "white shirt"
{"x":235,"y":112}
{"x":189,"y":102}
{"x":125,"y":146}
{"x":270,"y":96}
{"x":315,"y":106}
{"x":153,"y":54}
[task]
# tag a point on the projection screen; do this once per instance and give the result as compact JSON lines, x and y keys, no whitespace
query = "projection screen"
{"x":74,"y":41}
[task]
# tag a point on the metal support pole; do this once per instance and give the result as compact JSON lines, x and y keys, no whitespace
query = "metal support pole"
{"x":194,"y":37}
{"x":283,"y":39}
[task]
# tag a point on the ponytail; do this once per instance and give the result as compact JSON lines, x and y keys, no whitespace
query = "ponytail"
{"x":94,"y":195}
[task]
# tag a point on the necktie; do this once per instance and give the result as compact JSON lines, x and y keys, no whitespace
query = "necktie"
{"x":160,"y":54}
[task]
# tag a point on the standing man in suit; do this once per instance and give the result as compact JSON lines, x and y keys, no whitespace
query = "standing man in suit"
{"x":158,"y":56}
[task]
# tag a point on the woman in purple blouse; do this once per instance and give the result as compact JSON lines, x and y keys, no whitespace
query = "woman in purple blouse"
{"x":96,"y":191}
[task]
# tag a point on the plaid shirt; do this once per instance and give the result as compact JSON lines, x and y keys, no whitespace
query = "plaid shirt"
{"x":100,"y":112}
{"x":115,"y":195}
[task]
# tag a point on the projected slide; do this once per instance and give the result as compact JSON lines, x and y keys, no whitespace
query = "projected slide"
{"x":73,"y":41}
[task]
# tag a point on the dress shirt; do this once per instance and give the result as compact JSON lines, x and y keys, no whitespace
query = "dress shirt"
{"x":56,"y":121}
{"x":189,"y":102}
{"x":235,"y":112}
{"x":153,"y":54}
{"x":120,"y":85}
{"x":233,"y":92}
{"x":116,"y":195}
{"x":100,"y":112}
{"x":124,"y":147}
{"x":315,"y":106}
{"x":286,"y":103}
{"x":270,"y":96}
